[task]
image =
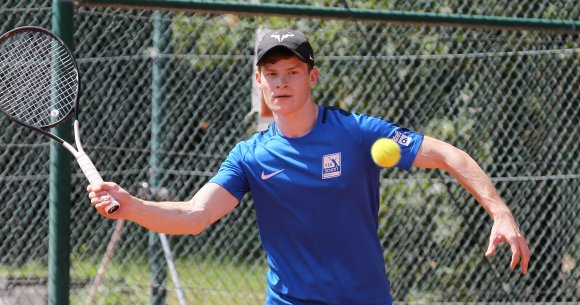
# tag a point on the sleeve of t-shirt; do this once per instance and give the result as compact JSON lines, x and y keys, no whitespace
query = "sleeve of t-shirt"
{"x":374,"y":128}
{"x":231,"y":174}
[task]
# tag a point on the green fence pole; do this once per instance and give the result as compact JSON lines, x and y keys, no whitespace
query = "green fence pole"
{"x":60,"y":182}
{"x":157,"y":264}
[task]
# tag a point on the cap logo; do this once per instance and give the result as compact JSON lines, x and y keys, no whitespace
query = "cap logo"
{"x":281,"y":38}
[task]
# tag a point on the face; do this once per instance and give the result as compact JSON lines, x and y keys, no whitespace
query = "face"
{"x":286,"y":85}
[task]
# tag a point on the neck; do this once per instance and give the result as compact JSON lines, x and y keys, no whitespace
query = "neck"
{"x":299,"y":123}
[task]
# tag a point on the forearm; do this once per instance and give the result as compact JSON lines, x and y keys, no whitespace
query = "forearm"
{"x":208,"y":205}
{"x":438,"y":154}
{"x":168,"y":217}
{"x":468,"y":173}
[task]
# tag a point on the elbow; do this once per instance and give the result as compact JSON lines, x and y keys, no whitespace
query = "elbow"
{"x":197,"y":221}
{"x":197,"y":229}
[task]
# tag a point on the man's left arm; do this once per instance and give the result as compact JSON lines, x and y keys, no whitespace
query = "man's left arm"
{"x":441,"y":155}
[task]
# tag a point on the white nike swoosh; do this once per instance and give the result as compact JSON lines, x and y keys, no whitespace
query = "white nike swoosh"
{"x":268,"y":176}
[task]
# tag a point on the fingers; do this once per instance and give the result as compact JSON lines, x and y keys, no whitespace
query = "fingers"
{"x":519,"y":248}
{"x":520,"y":253}
{"x":494,"y":241}
{"x":525,"y":255}
{"x":101,"y":205}
{"x":96,"y":200}
{"x":515,"y":253}
{"x":100,"y":199}
{"x":103,"y":186}
{"x":105,"y":193}
{"x":490,"y":249}
{"x":97,"y":194}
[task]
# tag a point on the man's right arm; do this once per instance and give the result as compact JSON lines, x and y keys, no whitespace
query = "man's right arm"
{"x":207,"y":206}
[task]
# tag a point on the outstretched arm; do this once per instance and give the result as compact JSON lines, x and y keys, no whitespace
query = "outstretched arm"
{"x":208,"y":205}
{"x":438,"y":154}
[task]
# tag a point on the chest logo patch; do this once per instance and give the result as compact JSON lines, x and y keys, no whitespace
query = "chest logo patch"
{"x":331,"y":166}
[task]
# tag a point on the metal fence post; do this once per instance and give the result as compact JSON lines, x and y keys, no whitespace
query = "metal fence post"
{"x":157,"y":264}
{"x":59,"y":248}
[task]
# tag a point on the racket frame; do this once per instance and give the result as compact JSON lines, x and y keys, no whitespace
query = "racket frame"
{"x":75,"y":103}
{"x":82,"y":158}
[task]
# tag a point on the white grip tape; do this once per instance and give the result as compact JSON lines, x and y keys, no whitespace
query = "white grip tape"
{"x":95,"y":178}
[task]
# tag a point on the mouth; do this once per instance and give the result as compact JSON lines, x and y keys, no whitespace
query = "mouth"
{"x":282,"y":96}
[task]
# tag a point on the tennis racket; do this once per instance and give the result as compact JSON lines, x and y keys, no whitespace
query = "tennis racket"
{"x":40,"y":87}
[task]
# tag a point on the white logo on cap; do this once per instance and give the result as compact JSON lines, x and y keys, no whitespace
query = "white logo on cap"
{"x":281,"y":38}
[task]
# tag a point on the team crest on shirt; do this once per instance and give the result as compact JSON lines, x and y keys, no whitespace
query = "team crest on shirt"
{"x":331,"y":166}
{"x":402,"y":139}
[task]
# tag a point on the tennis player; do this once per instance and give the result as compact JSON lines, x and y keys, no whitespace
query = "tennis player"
{"x":315,"y":188}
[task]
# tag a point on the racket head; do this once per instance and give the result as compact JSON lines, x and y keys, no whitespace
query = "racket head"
{"x":39,"y":78}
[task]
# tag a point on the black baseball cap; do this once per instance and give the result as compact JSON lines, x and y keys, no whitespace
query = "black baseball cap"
{"x":292,"y":40}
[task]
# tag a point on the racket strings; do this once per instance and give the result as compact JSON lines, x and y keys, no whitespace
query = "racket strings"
{"x":40,"y":85}
{"x":39,"y":80}
{"x":59,"y":95}
{"x":30,"y":74}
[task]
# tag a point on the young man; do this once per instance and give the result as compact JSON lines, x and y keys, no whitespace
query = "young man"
{"x":315,"y":188}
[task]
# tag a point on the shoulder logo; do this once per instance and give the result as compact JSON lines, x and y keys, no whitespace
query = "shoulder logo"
{"x":331,"y":165}
{"x":402,"y":139}
{"x":281,"y":37}
{"x":265,"y":176}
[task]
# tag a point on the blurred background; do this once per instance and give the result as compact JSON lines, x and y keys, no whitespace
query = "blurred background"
{"x":167,"y":93}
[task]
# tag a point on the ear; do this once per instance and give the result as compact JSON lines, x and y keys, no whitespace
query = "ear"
{"x":313,"y":77}
{"x":258,"y":78}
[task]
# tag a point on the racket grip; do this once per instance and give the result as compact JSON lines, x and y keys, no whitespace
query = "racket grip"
{"x":95,"y":178}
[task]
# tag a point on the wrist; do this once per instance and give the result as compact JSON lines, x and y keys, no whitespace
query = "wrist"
{"x":501,"y":212}
{"x":131,"y":207}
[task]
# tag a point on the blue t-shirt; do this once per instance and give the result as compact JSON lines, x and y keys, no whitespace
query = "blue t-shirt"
{"x":317,"y":200}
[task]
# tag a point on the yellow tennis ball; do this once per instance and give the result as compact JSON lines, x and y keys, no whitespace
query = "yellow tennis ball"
{"x":386,"y":152}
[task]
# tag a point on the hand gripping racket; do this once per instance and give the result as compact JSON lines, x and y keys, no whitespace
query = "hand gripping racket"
{"x":39,"y":89}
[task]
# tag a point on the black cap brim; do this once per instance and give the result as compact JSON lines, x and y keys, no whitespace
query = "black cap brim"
{"x":300,"y":56}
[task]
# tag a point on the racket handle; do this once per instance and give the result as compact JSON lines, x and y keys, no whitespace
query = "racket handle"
{"x":95,"y":178}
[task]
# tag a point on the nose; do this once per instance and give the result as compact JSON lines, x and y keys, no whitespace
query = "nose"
{"x":282,"y":83}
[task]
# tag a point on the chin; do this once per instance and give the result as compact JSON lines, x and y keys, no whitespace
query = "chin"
{"x":283,"y":106}
{"x":282,"y":110}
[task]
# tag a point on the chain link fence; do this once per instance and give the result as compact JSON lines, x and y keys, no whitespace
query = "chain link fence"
{"x":509,"y":98}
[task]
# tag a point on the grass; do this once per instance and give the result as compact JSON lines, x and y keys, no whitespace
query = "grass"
{"x":128,"y":281}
